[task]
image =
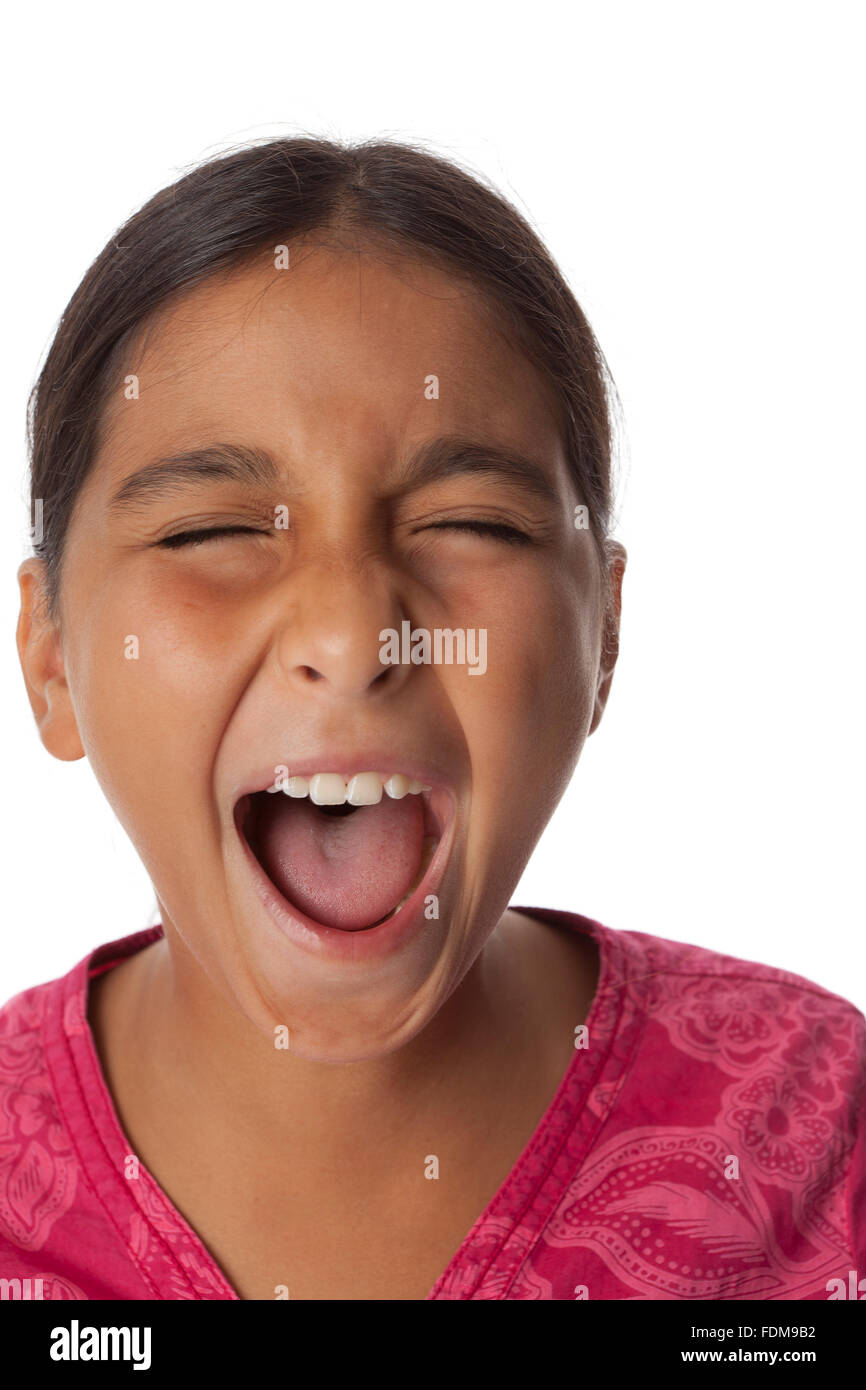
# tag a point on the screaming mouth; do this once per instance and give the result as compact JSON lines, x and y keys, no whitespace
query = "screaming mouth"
{"x":347,"y":853}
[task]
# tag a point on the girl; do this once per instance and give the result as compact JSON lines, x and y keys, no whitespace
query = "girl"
{"x":319,"y":424}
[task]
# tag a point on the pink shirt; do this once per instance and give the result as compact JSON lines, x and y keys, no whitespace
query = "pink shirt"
{"x":705,"y":1144}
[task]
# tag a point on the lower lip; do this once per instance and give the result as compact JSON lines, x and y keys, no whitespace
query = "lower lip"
{"x":370,"y":943}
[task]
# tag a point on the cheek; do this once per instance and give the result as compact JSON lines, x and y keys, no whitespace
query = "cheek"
{"x":527,"y":717}
{"x":151,"y":679}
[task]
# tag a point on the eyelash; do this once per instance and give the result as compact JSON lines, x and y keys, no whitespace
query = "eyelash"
{"x":497,"y":530}
{"x":182,"y":538}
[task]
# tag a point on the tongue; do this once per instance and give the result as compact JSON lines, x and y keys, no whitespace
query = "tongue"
{"x":345,"y":871}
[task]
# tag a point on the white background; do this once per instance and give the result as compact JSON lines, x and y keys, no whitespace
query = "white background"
{"x":697,"y":171}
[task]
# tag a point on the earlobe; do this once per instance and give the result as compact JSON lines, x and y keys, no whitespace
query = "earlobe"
{"x":616,"y":562}
{"x":40,"y":652}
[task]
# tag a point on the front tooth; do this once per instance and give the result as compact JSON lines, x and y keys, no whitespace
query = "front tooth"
{"x":327,"y":789}
{"x":398,"y":786}
{"x":365,"y":789}
{"x":297,"y":786}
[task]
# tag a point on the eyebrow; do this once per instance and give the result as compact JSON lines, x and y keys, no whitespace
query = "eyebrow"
{"x":233,"y":463}
{"x":451,"y":456}
{"x":436,"y":460}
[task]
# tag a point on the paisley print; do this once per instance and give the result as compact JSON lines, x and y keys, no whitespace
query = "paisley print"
{"x":38,"y":1171}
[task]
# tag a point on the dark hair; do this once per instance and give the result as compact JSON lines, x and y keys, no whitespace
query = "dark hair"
{"x":232,"y":207}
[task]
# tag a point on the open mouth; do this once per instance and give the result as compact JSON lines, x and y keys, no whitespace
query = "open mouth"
{"x":346,"y":864}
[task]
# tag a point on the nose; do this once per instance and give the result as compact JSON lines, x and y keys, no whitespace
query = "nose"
{"x":330,"y":630}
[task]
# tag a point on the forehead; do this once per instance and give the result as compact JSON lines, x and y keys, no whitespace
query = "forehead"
{"x":343,"y":343}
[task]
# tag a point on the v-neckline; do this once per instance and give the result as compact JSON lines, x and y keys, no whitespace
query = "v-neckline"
{"x":505,"y":1229}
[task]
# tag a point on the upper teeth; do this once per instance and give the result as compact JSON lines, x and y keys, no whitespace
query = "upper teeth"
{"x":364,"y":789}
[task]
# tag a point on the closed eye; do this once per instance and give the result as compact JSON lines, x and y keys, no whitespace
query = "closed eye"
{"x":498,"y":530}
{"x":182,"y":538}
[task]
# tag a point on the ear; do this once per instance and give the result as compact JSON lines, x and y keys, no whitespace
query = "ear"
{"x":616,"y":563}
{"x":40,"y":652}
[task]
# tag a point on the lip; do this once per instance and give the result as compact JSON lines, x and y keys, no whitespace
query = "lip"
{"x":369,"y":943}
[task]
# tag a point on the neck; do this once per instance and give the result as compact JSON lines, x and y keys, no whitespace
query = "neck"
{"x":169,"y":1039}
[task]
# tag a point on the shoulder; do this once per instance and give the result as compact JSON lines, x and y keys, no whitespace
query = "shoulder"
{"x":65,"y":997}
{"x":726,"y":1114}
{"x":29,"y":1022}
{"x":25,"y":1012}
{"x":56,"y":1234}
{"x":685,"y":958}
{"x":662,"y":975}
{"x":738,"y":1003}
{"x":38,"y":1173}
{"x":743,"y":1015}
{"x":772,"y":1060}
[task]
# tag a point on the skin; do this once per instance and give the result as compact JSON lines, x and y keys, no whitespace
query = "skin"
{"x":254,"y":649}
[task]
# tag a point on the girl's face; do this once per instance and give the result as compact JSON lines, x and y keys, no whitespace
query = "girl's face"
{"x":191,"y":674}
